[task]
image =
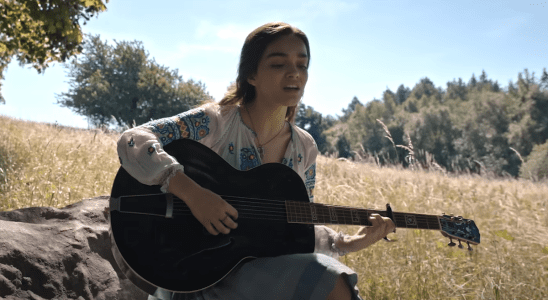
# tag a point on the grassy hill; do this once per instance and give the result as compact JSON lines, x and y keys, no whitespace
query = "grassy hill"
{"x":47,"y":165}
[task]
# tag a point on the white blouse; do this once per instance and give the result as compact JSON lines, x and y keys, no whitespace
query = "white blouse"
{"x":141,"y":153}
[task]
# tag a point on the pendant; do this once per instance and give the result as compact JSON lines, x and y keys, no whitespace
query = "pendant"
{"x":261,"y":152}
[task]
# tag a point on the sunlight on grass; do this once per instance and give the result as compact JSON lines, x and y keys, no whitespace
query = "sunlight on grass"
{"x":45,"y":165}
{"x":510,"y":263}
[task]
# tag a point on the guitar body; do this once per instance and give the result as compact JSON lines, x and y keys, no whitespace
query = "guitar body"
{"x":177,"y":253}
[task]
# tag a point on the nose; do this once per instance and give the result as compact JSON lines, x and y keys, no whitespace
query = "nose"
{"x":293,"y":71}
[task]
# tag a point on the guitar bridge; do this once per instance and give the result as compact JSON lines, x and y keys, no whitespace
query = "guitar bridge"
{"x":169,"y":206}
{"x":114,"y":204}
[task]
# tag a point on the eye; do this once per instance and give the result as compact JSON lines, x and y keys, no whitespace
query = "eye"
{"x":304,"y":67}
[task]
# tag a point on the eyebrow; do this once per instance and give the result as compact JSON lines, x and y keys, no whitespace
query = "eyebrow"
{"x":273,"y":54}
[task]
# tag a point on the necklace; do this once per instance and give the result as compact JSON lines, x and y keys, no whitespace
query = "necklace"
{"x":260,"y":149}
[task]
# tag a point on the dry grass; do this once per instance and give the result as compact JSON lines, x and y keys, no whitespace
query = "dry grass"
{"x":510,"y":263}
{"x":44,"y":165}
{"x":47,"y":165}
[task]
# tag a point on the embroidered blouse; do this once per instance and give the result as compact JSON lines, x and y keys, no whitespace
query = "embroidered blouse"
{"x":141,"y":153}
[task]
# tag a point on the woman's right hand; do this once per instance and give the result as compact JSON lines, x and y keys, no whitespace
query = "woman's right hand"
{"x":215,"y":214}
{"x":212,"y":211}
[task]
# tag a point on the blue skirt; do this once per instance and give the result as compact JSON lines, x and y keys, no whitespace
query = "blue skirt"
{"x":295,"y":276}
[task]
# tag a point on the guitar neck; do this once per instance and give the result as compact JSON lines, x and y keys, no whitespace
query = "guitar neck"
{"x":316,"y":213}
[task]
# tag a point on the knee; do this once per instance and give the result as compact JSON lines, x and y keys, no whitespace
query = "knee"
{"x":341,"y":291}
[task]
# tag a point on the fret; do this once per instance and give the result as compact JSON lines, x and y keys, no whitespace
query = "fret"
{"x":313,"y":214}
{"x":316,"y":213}
{"x":332,"y":215}
{"x":418,"y":221}
{"x":354,"y":216}
{"x":323,"y":214}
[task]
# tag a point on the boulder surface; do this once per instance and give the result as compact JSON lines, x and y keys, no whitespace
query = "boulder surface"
{"x":50,"y":253}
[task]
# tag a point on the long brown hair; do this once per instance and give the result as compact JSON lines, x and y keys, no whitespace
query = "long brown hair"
{"x":241,"y":92}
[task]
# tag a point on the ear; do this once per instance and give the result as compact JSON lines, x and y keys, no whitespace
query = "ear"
{"x":251,"y":80}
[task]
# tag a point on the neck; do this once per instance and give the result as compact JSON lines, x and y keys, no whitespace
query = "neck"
{"x":266,"y":121}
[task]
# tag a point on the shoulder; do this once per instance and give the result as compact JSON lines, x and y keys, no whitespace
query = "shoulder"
{"x":305,"y":138}
{"x":308,"y":144}
{"x":212,"y":111}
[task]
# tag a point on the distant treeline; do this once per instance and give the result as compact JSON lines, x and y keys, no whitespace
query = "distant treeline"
{"x":467,"y":127}
{"x":472,"y":127}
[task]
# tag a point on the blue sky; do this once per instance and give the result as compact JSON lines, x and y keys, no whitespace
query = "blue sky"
{"x":358,"y":48}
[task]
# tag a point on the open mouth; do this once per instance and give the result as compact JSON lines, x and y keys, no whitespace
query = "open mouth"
{"x":291,"y":88}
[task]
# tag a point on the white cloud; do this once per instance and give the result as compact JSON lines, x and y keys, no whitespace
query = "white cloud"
{"x":233,"y":32}
{"x":185,"y":50}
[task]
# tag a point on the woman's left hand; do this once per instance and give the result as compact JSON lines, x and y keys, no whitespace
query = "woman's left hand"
{"x":367,"y":236}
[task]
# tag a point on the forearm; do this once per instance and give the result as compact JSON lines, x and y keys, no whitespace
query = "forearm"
{"x":183,"y":187}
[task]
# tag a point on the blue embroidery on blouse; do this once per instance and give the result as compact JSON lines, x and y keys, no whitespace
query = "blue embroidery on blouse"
{"x":310,"y":176}
{"x":248,"y":158}
{"x":131,"y":142}
{"x":231,"y":148}
{"x":151,"y":150}
{"x":284,"y":161}
{"x":166,"y":128}
{"x":299,"y":158}
{"x":192,"y":124}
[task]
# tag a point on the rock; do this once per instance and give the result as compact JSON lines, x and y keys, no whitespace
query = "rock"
{"x":50,"y":253}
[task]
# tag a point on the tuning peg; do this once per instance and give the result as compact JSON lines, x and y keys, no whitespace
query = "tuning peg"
{"x":451,"y":244}
{"x":469,"y":248}
{"x":460,"y":245}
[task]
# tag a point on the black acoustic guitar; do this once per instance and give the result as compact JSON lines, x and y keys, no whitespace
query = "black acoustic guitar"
{"x":157,"y":242}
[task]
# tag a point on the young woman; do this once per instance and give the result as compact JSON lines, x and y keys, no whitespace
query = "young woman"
{"x":253,"y":125}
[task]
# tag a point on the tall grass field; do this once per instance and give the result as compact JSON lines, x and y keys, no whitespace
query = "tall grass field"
{"x":48,"y":165}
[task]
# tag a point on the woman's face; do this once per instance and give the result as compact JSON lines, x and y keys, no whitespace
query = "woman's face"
{"x":282,"y":72}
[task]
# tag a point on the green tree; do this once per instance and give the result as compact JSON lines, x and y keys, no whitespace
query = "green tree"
{"x":42,"y":32}
{"x":351,"y":107}
{"x":456,"y":90}
{"x":472,"y":83}
{"x":426,"y":87}
{"x":529,"y":115}
{"x":122,"y":81}
{"x":483,"y":131}
{"x":313,"y":122}
{"x":433,"y":131}
{"x":365,"y":130}
{"x":544,"y":80}
{"x":343,"y":147}
{"x":402,"y":94}
{"x":536,"y":164}
{"x":389,"y":100}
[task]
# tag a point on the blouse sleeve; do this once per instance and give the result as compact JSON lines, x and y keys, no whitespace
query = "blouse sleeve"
{"x":140,"y":149}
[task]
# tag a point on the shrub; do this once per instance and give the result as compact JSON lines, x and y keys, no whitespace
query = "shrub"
{"x":536,"y":164}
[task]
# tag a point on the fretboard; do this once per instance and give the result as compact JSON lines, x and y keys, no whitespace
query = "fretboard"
{"x":315,"y":213}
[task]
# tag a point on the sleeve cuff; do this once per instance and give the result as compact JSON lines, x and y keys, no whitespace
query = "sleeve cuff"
{"x":172,"y":171}
{"x":324,"y":239}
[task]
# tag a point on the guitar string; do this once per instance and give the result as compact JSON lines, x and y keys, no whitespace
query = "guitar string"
{"x":326,"y":220}
{"x":299,"y":214}
{"x":306,"y":205}
{"x":302,"y":211}
{"x":320,"y":210}
{"x":304,"y":216}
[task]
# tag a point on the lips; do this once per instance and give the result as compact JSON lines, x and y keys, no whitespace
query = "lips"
{"x":291,"y":87}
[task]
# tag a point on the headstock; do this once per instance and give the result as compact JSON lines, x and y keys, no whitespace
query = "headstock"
{"x":460,"y":229}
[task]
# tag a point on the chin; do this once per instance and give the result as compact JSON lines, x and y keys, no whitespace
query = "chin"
{"x":293,"y":101}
